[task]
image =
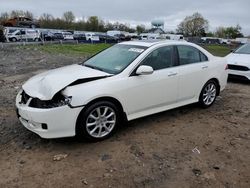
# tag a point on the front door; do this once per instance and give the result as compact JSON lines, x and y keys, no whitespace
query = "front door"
{"x":144,"y":93}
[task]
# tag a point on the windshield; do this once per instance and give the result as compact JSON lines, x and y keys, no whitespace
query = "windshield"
{"x":245,"y":49}
{"x":115,"y":59}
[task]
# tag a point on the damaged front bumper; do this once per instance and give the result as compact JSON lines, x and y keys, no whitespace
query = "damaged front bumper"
{"x":48,"y":122}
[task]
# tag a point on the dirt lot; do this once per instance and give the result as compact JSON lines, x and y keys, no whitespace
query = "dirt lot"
{"x":185,"y":147}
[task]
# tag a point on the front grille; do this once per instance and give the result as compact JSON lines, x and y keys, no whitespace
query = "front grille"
{"x":238,"y":67}
{"x":25,"y":97}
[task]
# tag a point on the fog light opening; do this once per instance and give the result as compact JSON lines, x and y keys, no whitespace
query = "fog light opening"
{"x":44,"y":126}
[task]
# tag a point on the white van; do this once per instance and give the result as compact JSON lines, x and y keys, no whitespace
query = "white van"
{"x":149,"y":36}
{"x":23,"y":35}
{"x":92,"y":37}
{"x":173,"y":37}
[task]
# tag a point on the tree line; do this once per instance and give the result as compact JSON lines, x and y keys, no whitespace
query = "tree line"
{"x":68,"y":21}
{"x":194,"y":25}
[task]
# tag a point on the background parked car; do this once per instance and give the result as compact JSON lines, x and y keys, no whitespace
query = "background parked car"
{"x":67,"y":36}
{"x":92,"y":37}
{"x":210,"y":40}
{"x":121,"y":37}
{"x":108,"y":39}
{"x":57,"y":36}
{"x":47,"y":36}
{"x":24,"y":35}
{"x":239,"y":63}
{"x":135,"y":37}
{"x":225,"y":41}
{"x":143,"y":37}
{"x":79,"y":37}
{"x":21,"y":22}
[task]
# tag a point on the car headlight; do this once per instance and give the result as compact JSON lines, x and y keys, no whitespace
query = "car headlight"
{"x":57,"y":101}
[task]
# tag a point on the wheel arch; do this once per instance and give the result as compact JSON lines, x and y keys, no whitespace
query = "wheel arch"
{"x":106,"y":98}
{"x":217,"y":83}
{"x":11,"y":39}
{"x":109,"y":99}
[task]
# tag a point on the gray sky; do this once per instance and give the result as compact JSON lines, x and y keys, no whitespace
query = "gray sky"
{"x":218,"y":12}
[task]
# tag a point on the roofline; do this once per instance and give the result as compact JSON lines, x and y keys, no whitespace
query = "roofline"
{"x":150,"y":43}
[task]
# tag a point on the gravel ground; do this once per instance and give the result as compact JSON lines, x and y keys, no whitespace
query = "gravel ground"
{"x":184,"y":147}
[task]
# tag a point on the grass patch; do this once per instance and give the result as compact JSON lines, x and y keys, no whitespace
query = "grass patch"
{"x":91,"y":49}
{"x":218,"y":50}
{"x":79,"y":49}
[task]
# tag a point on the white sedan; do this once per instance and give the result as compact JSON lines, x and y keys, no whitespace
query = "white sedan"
{"x":239,"y":63}
{"x":124,"y":82}
{"x":68,"y":36}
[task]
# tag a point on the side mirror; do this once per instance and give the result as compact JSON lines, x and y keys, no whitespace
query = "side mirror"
{"x":144,"y":70}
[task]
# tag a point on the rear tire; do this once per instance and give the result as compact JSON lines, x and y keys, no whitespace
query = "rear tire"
{"x":208,"y":94}
{"x":98,"y":121}
{"x":13,"y":39}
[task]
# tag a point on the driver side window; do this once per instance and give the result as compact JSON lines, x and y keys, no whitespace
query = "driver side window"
{"x":160,"y":58}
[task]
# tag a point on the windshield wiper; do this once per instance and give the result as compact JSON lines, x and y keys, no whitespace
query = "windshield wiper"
{"x":93,"y":67}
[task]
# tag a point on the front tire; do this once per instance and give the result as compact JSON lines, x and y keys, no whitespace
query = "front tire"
{"x":208,"y":94}
{"x":98,"y":121}
{"x":13,"y":39}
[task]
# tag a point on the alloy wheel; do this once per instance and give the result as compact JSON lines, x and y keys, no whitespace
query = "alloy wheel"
{"x":209,"y":94}
{"x":101,"y":121}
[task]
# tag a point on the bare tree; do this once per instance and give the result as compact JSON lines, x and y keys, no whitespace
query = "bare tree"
{"x":68,"y":16}
{"x":17,"y":13}
{"x":28,"y":14}
{"x":220,"y":32}
{"x":140,"y":28}
{"x":195,"y":25}
{"x":46,"y":17}
{"x":4,"y":16}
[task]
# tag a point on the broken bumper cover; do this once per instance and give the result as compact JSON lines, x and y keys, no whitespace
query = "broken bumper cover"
{"x":48,"y":123}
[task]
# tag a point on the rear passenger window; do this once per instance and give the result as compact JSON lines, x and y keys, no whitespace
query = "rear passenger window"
{"x":189,"y":55}
{"x":203,"y":57}
{"x":160,"y":58}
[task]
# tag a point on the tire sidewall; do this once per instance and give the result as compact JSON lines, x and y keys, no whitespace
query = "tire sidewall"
{"x":201,"y":102}
{"x":81,"y":129}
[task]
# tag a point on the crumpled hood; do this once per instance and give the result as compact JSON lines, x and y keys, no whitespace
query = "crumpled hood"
{"x":239,"y":59}
{"x":45,"y":85}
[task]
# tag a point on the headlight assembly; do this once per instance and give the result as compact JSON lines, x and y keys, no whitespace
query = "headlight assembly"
{"x":57,"y":101}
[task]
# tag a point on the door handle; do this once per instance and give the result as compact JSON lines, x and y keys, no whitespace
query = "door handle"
{"x":172,"y":74}
{"x":204,"y":67}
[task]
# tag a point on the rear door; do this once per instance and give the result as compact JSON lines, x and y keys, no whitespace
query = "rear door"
{"x":193,"y":72}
